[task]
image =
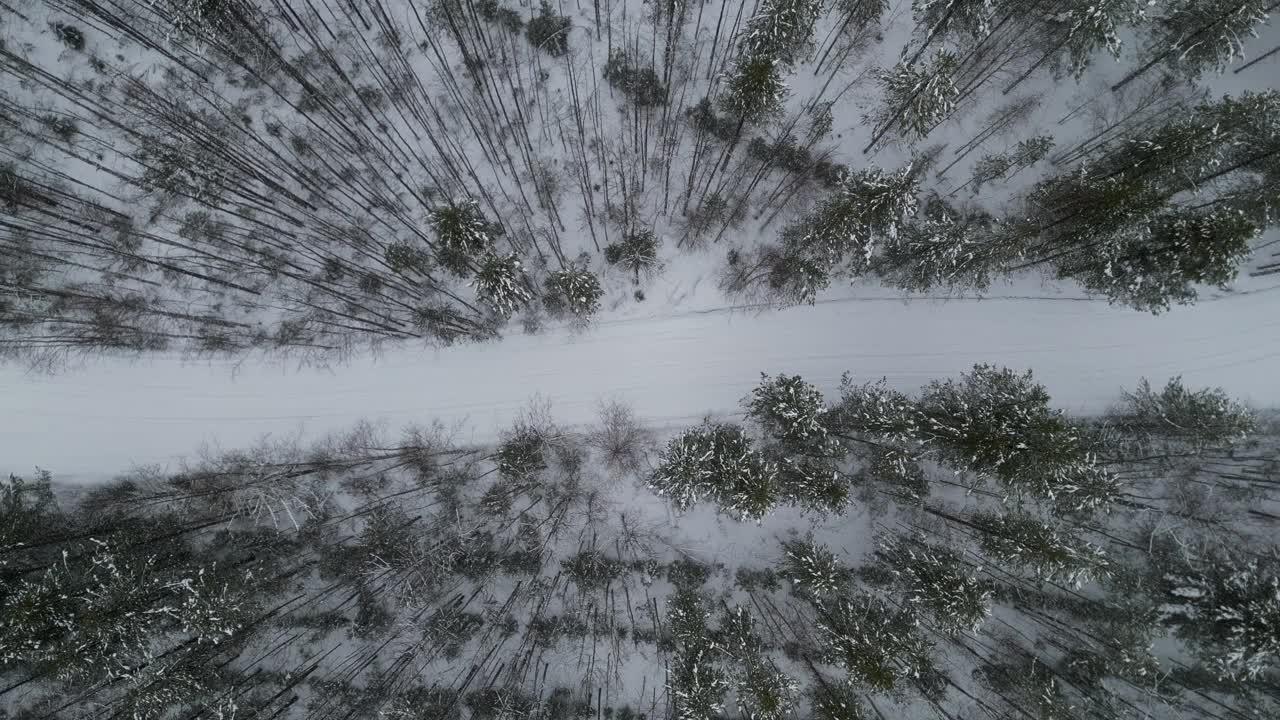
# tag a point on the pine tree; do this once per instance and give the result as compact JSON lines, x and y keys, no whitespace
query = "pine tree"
{"x":764,"y":692}
{"x":867,"y":208}
{"x":789,"y":409}
{"x":816,"y":484}
{"x":1002,"y":165}
{"x":1230,"y":612}
{"x":812,"y":569}
{"x":835,"y":702}
{"x":638,"y":252}
{"x":963,"y":20}
{"x":948,"y":248}
{"x":782,"y":29}
{"x":716,"y":462}
{"x":1049,"y":553}
{"x":1153,"y":266}
{"x":574,"y":290}
{"x":463,"y":235}
{"x":1180,"y":417}
{"x":916,"y":98}
{"x":500,"y":284}
{"x":1193,"y":36}
{"x":876,"y":410}
{"x":937,"y":580}
{"x":754,"y":90}
{"x":999,"y":423}
{"x":861,"y":14}
{"x":881,"y":647}
{"x":793,"y":278}
{"x":1079,"y":29}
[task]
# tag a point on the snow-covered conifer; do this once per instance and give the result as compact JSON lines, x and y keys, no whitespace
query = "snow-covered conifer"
{"x":949,"y":248}
{"x":790,"y":409}
{"x":716,"y":462}
{"x":995,"y":422}
{"x":764,"y":692}
{"x":812,"y":568}
{"x":1195,"y":36}
{"x":574,"y":290}
{"x":782,"y":29}
{"x":868,"y":207}
{"x":1026,"y":153}
{"x":917,"y":98}
{"x":878,"y":645}
{"x":1048,"y":552}
{"x":754,"y":90}
{"x":500,"y":284}
{"x":939,"y":581}
{"x":462,"y":233}
{"x":1230,"y":611}
{"x":877,"y":410}
{"x":1181,"y":416}
{"x":835,"y":701}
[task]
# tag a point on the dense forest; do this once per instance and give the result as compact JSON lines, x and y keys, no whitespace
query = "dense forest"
{"x":964,"y":552}
{"x":308,"y":179}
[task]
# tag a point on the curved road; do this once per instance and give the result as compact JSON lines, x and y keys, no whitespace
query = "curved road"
{"x":99,"y":420}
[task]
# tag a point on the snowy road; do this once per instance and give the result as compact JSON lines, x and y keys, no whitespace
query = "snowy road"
{"x":99,"y":420}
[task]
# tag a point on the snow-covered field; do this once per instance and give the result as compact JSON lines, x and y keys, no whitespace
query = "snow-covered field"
{"x":99,"y":420}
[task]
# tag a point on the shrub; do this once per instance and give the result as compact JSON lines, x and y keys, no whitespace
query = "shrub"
{"x":638,"y":252}
{"x":704,"y":118}
{"x":592,"y":569}
{"x":549,"y":31}
{"x":401,"y":257}
{"x":521,"y":456}
{"x":70,"y":36}
{"x":641,"y":85}
{"x":504,"y":16}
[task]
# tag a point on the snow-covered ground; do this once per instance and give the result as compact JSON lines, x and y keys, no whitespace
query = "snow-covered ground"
{"x":99,"y":420}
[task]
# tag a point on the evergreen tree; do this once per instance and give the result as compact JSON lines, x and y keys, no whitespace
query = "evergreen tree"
{"x":1049,"y":553}
{"x":835,"y":702}
{"x":812,"y":569}
{"x":937,"y":580}
{"x":754,"y":90}
{"x":996,"y":422}
{"x":765,"y":693}
{"x":867,"y":208}
{"x":782,"y":29}
{"x":881,"y":647}
{"x":789,"y":409}
{"x":1193,"y":36}
{"x":1001,"y":166}
{"x":463,"y":235}
{"x":948,"y":248}
{"x":793,"y":278}
{"x":916,"y":98}
{"x":1182,"y":417}
{"x":1230,"y":612}
{"x":1152,"y":266}
{"x":860,"y":14}
{"x":716,"y":462}
{"x":1119,"y":225}
{"x":638,"y":252}
{"x":574,"y":290}
{"x":500,"y":284}
{"x":1079,"y":30}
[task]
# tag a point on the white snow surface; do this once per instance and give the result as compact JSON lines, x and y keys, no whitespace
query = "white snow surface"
{"x":97,"y":421}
